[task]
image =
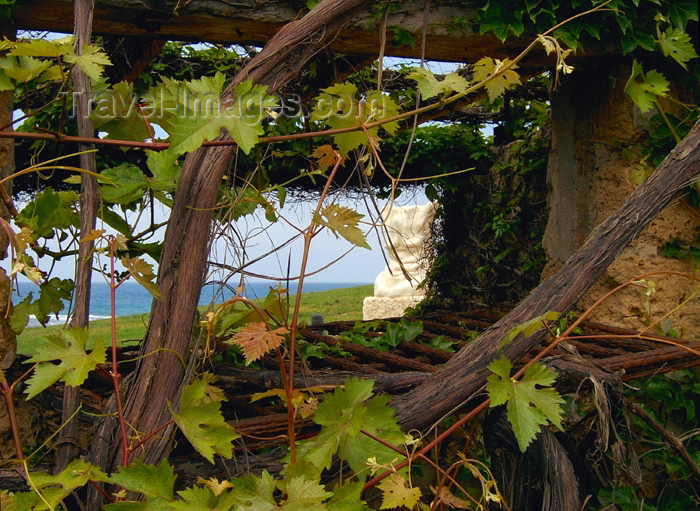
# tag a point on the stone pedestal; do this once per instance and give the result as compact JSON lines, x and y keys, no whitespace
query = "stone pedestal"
{"x":406,"y":230}
{"x":382,"y":307}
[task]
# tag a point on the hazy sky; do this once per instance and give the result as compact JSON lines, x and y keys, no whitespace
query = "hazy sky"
{"x":252,"y":236}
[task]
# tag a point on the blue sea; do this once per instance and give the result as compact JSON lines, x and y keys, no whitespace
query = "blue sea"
{"x":134,"y":299}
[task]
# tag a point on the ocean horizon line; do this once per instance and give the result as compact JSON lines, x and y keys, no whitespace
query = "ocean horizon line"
{"x":134,"y":299}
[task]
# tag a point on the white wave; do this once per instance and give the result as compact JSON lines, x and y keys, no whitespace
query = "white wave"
{"x":61,"y":320}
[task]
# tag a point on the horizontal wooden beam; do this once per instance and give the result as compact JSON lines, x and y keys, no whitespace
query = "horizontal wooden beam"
{"x":254,"y":22}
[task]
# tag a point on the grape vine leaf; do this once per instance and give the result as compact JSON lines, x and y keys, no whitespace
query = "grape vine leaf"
{"x":200,"y":114}
{"x":165,"y":171}
{"x":304,"y":495}
{"x":117,"y":113}
{"x":5,"y":82}
{"x":68,"y":347}
{"x":255,"y":340}
{"x":255,"y":493}
{"x":429,"y":86}
{"x":188,"y":132}
{"x":150,"y":480}
{"x":644,"y":88}
{"x":338,"y":107}
{"x":676,"y":43}
{"x":325,"y":157}
{"x":531,"y":402}
{"x":53,"y":294}
{"x":529,"y":327}
{"x":20,"y":314}
{"x":343,"y":415}
{"x":205,"y":498}
{"x":23,"y":69}
{"x":41,"y":48}
{"x":201,"y":421}
{"x":48,"y":211}
{"x":348,"y":498}
{"x":55,"y":488}
{"x":343,"y":220}
{"x":396,"y":493}
{"x":142,"y":272}
{"x":92,"y":61}
{"x":486,"y":67}
{"x":129,"y":184}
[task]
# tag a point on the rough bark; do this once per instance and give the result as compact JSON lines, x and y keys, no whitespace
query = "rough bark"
{"x":461,"y":378}
{"x":159,"y":377}
{"x":8,"y":340}
{"x":256,"y":21}
{"x":89,"y":201}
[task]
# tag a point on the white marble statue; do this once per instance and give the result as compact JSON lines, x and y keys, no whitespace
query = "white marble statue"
{"x":407,"y":227}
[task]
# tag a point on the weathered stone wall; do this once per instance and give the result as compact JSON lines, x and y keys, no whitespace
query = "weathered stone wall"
{"x":597,"y":139}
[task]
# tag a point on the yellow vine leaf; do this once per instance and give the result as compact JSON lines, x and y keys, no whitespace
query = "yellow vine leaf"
{"x":255,"y":340}
{"x":142,"y":272}
{"x":344,"y":222}
{"x":396,"y":493}
{"x":444,"y":496}
{"x":325,"y":157}
{"x":217,"y":487}
{"x":94,"y":235}
{"x":486,"y":67}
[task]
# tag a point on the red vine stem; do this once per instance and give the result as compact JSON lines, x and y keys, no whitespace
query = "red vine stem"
{"x":308,"y":234}
{"x":149,"y":436}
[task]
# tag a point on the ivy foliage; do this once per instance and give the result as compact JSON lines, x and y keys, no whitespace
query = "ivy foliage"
{"x":632,"y":23}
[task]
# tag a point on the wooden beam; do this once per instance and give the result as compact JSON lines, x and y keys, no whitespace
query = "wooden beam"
{"x":254,"y":22}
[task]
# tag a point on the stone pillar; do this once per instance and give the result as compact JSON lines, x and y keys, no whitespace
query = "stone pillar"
{"x":598,"y":135}
{"x":406,"y":231}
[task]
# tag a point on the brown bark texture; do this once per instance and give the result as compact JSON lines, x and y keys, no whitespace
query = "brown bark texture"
{"x":465,"y":374}
{"x":160,"y":376}
{"x":89,"y":201}
{"x":255,"y":22}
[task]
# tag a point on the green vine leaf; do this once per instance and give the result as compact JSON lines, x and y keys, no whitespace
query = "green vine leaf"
{"x":342,"y":416}
{"x":48,"y":211}
{"x":42,"y":48}
{"x":429,"y":86}
{"x":676,"y":43}
{"x":150,"y":480}
{"x":201,"y":421}
{"x":67,"y":347}
{"x":200,"y":116}
{"x":116,"y":112}
{"x":23,"y":69}
{"x":5,"y":82}
{"x":92,"y":61}
{"x":255,"y":493}
{"x":52,"y":294}
{"x":343,"y":221}
{"x":165,"y":171}
{"x":53,"y":488}
{"x":304,"y":495}
{"x":348,"y":498}
{"x":531,"y":402}
{"x":338,"y":107}
{"x":127,"y":184}
{"x":529,"y":327}
{"x":644,"y":89}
